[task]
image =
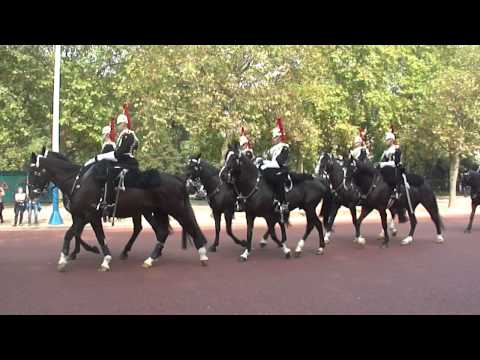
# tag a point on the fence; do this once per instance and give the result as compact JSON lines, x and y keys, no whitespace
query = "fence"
{"x":14,"y":179}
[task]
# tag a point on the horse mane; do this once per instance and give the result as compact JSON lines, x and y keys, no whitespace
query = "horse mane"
{"x":209,"y":169}
{"x":64,"y":164}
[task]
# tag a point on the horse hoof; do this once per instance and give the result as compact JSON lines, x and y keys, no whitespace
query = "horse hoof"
{"x":468,"y":231}
{"x":320,"y":251}
{"x":263,"y":244}
{"x":123,"y":256}
{"x":439,"y":239}
{"x":297,"y":254}
{"x":103,"y":269}
{"x":408,"y":240}
{"x":288,"y":255}
{"x":243,"y":259}
{"x":62,"y":267}
{"x":72,"y":257}
{"x":204,"y":262}
{"x":360,"y":241}
{"x":394,"y":233}
{"x":384,"y":246}
{"x":146,"y":265}
{"x":212,"y":249}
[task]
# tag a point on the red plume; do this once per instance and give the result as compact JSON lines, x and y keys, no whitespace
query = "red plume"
{"x":242,"y":133}
{"x":112,"y":130}
{"x":125,"y":111}
{"x":282,"y":129}
{"x":362,"y":132}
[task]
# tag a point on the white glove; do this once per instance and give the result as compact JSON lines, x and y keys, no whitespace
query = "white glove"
{"x":387,"y":163}
{"x":89,"y":162}
{"x":258,"y":161}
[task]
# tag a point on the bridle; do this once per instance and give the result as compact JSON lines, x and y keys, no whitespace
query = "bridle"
{"x":232,"y":181}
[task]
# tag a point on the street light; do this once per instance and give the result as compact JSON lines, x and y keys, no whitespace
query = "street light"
{"x":55,"y":218}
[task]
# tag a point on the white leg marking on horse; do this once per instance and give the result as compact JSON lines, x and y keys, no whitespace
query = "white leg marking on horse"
{"x":62,"y":260}
{"x":285,"y":249}
{"x":440,"y":239}
{"x":263,"y":242}
{"x":360,"y":240}
{"x":106,"y":262}
{"x":300,"y":245}
{"x":148,"y":262}
{"x":203,"y":254}
{"x":407,"y":240}
{"x":381,"y":236}
{"x":245,"y":254}
{"x":327,"y":236}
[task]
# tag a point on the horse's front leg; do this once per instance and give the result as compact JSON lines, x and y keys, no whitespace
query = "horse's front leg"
{"x":248,"y":250}
{"x":63,"y":261}
{"x":413,"y":224}
{"x":228,"y":221}
{"x":383,"y":216}
{"x":217,"y":216}
{"x":308,"y":230}
{"x":137,"y":229}
{"x":330,"y":221}
{"x":107,"y":257}
{"x":359,"y":239}
{"x":282,"y":244}
{"x":472,"y":215}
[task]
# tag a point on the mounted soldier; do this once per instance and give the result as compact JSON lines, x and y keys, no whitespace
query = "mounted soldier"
{"x":359,"y":144}
{"x":246,"y":149}
{"x":123,"y":155}
{"x":275,"y":169}
{"x":245,"y":145}
{"x":108,"y":137}
{"x":390,"y":164}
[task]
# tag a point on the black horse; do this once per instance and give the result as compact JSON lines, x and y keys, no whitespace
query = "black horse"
{"x":307,"y":192}
{"x":154,"y":193}
{"x":377,"y":195}
{"x":343,"y":193}
{"x":472,"y":179}
{"x":137,"y":225}
{"x":221,"y":196}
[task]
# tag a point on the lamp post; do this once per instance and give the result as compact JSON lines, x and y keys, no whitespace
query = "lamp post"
{"x":55,"y":218}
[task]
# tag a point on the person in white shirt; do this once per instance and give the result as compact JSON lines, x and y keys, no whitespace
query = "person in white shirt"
{"x":20,"y":203}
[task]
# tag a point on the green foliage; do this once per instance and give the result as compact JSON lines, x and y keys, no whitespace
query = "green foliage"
{"x":194,"y":99}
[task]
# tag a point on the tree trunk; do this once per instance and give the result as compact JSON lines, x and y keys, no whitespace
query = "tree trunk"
{"x":453,"y":175}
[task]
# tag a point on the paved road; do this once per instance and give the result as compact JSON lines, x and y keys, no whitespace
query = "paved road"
{"x":425,"y":278}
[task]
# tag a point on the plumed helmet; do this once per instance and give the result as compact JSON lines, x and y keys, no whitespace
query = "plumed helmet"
{"x":243,"y":140}
{"x":358,"y":140}
{"x":106,"y":130}
{"x":122,"y":119}
{"x":276,"y":132}
{"x":389,"y":136}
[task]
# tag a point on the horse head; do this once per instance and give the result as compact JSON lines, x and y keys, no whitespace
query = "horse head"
{"x":192,"y":174}
{"x":231,"y":167}
{"x":325,"y":164}
{"x":38,"y":177}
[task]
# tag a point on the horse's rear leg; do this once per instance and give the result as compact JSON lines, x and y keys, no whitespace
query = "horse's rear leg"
{"x":432,"y":207}
{"x":137,"y":229}
{"x":160,"y":225}
{"x":309,"y":227}
{"x":263,"y":241}
{"x":186,"y":217}
{"x":472,"y":215}
{"x":228,"y":220}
